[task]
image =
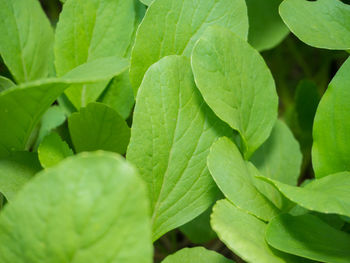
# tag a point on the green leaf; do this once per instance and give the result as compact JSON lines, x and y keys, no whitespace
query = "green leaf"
{"x":26,"y":39}
{"x":98,"y":127}
{"x":172,"y":132}
{"x":198,"y":230}
{"x":5,"y":83}
{"x":266,"y":28}
{"x":321,"y":23}
{"x":330,"y":194}
{"x":307,"y":98}
{"x":96,"y":70}
{"x":22,"y":107}
{"x":53,"y":150}
{"x":196,"y":254}
{"x":330,"y":151}
{"x":244,"y":94}
{"x":119,"y":95}
{"x":146,"y":2}
{"x":244,"y":234}
{"x":79,"y":210}
{"x":15,"y":171}
{"x":235,"y":178}
{"x":53,"y":117}
{"x":308,"y":236}
{"x":89,"y":30}
{"x":171,"y":27}
{"x":279,"y":157}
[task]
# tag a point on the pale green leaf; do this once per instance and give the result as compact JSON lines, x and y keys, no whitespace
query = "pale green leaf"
{"x":91,"y":206}
{"x":22,"y":107}
{"x":331,"y":150}
{"x":15,"y":171}
{"x":5,"y":83}
{"x":100,"y":69}
{"x":146,"y":2}
{"x":244,"y":234}
{"x":235,"y":178}
{"x":266,"y":28}
{"x":26,"y":44}
{"x":98,"y":126}
{"x":308,"y":236}
{"x":330,"y":194}
{"x":321,"y":23}
{"x":53,"y":150}
{"x":172,"y":132}
{"x":171,"y":27}
{"x":119,"y":95}
{"x":196,"y":254}
{"x":279,"y":157}
{"x":53,"y":117}
{"x":244,"y":95}
{"x":88,"y":30}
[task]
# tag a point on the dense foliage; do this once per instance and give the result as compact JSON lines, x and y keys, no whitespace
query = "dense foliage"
{"x":174,"y":131}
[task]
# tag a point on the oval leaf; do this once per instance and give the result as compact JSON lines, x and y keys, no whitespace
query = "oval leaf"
{"x":321,"y":23}
{"x":172,"y":132}
{"x":80,"y":210}
{"x":98,"y":127}
{"x":244,"y":95}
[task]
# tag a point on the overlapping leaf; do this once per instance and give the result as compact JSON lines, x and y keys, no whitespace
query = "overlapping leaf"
{"x":171,"y":27}
{"x":308,"y":236}
{"x":22,"y":107}
{"x":88,"y":30}
{"x":172,"y":132}
{"x":330,"y":194}
{"x":244,"y":95}
{"x":235,"y":178}
{"x":244,"y":234}
{"x":279,"y":157}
